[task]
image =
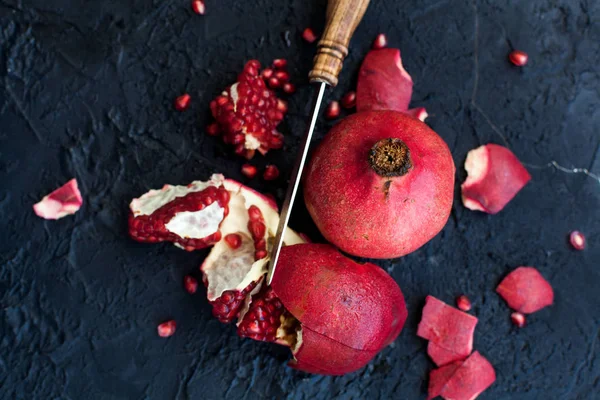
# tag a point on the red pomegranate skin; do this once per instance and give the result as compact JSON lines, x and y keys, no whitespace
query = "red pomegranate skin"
{"x":348,"y":311}
{"x":348,"y":200}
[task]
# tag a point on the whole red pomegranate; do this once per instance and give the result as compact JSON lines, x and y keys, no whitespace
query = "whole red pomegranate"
{"x":380,"y":185}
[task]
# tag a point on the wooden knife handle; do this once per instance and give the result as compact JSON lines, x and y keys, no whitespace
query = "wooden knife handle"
{"x":343,"y":16}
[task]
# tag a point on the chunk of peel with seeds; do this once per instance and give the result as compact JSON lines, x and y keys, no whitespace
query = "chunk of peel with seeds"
{"x":383,"y":83}
{"x":441,"y":356}
{"x":525,"y":290}
{"x":66,"y":200}
{"x":495,"y":176}
{"x":446,"y":326}
{"x":466,"y":381}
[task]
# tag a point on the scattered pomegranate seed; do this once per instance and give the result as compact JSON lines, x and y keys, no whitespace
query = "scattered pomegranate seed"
{"x":577,"y":240}
{"x":289,"y":88}
{"x":333,"y":110}
{"x":267,"y":73}
{"x":518,"y":58}
{"x":380,"y":42}
{"x":213,"y":129}
{"x":249,"y":170}
{"x":190,"y":284}
{"x":279,"y":63}
{"x":198,"y":7}
{"x":349,"y":100}
{"x":463,"y":303}
{"x":271,"y":173}
{"x":283,"y":76}
{"x":182,"y":102}
{"x":233,"y":240}
{"x":518,"y":319}
{"x":167,"y":329}
{"x":282,"y":106}
{"x":309,"y":35}
{"x":274,"y":83}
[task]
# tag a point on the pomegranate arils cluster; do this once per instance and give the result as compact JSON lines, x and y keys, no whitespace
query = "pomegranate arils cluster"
{"x":248,"y":113}
{"x":263,"y":318}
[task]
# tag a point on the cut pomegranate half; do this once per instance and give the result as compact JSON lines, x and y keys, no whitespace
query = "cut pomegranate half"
{"x":495,"y":176}
{"x":447,"y":327}
{"x":66,"y":200}
{"x":383,"y":83}
{"x":248,"y":113}
{"x":525,"y":290}
{"x":465,"y":381}
{"x":311,"y":281}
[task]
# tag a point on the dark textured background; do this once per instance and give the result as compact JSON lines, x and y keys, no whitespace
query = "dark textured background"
{"x":87,"y":90}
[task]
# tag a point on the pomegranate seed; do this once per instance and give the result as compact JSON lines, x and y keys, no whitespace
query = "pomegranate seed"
{"x":190,"y":284}
{"x":249,"y":170}
{"x":271,"y":172}
{"x":309,"y":35}
{"x":279,"y":63}
{"x":282,"y":76}
{"x":260,"y":254}
{"x":518,"y":58}
{"x":333,"y":110}
{"x":380,"y":42}
{"x":289,"y":88}
{"x":213,"y":129}
{"x":233,"y":240}
{"x":518,"y":319}
{"x":257,"y":229}
{"x":182,"y":102}
{"x":577,"y":240}
{"x":274,"y":83}
{"x":463,"y":303}
{"x":349,"y":100}
{"x":266,"y":73}
{"x":167,"y":329}
{"x":254,"y":213}
{"x":198,"y":7}
{"x":282,"y":106}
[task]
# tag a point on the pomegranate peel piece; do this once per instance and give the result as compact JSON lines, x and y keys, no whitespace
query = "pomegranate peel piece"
{"x":447,"y":327}
{"x":441,"y":356}
{"x":468,"y":381}
{"x":439,"y":377}
{"x":495,"y":176}
{"x":189,"y":216}
{"x":419,"y":113}
{"x":525,"y":290}
{"x":383,"y":83}
{"x":66,"y":200}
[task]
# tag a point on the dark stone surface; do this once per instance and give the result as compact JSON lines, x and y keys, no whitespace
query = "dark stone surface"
{"x":87,"y":91}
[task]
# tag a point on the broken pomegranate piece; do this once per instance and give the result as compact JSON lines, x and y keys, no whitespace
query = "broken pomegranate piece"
{"x":447,"y":327}
{"x":439,"y":377}
{"x":441,"y":356}
{"x":66,"y":200}
{"x":248,"y":113}
{"x":495,"y":176}
{"x":383,"y":83}
{"x":525,"y":290}
{"x":466,"y":381}
{"x":189,"y":216}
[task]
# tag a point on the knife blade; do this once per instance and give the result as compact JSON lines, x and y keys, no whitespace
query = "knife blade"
{"x":343,"y":16}
{"x":294,"y":183}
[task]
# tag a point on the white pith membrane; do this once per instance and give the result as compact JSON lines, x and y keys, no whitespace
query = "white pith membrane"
{"x":197,"y":224}
{"x":251,"y":142}
{"x":228,"y":269}
{"x":476,"y":165}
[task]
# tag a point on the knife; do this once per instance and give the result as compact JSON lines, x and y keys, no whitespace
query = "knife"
{"x":343,"y":16}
